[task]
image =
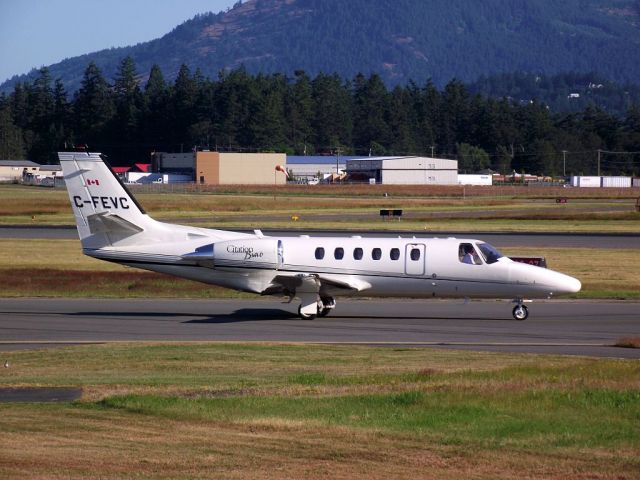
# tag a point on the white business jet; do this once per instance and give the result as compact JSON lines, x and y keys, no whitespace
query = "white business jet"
{"x":114,"y":227}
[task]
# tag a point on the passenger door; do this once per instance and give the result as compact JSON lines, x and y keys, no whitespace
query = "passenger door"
{"x":414,"y":259}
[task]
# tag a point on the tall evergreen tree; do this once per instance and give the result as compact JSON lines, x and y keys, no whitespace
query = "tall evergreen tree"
{"x":235,"y":104}
{"x":299,"y":113}
{"x":403,"y":121}
{"x":183,"y":101}
{"x":155,"y":116}
{"x":332,"y":115}
{"x":11,"y":141}
{"x":128,"y":101}
{"x":93,"y":107}
{"x":268,"y":121}
{"x":429,"y":114}
{"x":371,"y":131}
{"x":62,"y":119}
{"x":456,"y":116}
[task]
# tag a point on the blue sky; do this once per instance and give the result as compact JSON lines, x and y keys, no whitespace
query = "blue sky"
{"x":34,"y":33}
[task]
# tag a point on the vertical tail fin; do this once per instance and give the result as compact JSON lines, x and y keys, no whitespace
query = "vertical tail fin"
{"x":105,"y":211}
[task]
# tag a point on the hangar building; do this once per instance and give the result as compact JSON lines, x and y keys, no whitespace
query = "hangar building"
{"x":309,"y":167}
{"x":15,"y":170}
{"x":218,"y":168}
{"x":405,"y":170}
{"x":215,"y":168}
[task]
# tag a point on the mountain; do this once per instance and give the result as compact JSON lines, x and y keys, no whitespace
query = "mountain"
{"x":401,"y":40}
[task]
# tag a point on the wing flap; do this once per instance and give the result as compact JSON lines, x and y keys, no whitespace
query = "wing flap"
{"x":299,"y":282}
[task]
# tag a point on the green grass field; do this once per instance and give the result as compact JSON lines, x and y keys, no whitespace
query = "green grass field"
{"x":289,"y":411}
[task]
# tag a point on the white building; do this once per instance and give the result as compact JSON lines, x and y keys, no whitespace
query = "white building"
{"x":475,"y":179}
{"x":16,"y":170}
{"x":405,"y":170}
{"x":312,"y":167}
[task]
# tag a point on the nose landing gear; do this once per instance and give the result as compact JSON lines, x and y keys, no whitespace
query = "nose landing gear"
{"x":520,"y":311}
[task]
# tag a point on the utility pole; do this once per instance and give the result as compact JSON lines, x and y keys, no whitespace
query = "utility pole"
{"x":564,"y":163}
{"x":599,"y":161}
{"x":432,"y":147}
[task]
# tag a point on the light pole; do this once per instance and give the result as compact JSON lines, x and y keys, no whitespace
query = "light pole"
{"x":564,"y":163}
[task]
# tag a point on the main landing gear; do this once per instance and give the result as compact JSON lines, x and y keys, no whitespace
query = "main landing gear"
{"x":520,"y":311}
{"x":324,"y":307}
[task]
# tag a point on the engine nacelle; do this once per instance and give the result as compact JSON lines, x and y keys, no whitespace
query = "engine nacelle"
{"x":251,"y":252}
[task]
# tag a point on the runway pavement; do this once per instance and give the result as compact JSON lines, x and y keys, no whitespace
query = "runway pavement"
{"x":557,"y":327}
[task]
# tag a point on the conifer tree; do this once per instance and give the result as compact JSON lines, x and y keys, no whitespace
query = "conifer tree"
{"x":93,"y":107}
{"x":155,"y":116}
{"x":11,"y":142}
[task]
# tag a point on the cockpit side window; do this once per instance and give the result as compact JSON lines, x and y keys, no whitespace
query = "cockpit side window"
{"x":489,"y":252}
{"x":468,"y":254}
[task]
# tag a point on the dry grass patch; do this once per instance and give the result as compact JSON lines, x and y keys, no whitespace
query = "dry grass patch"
{"x":123,"y":445}
{"x":628,"y":342}
{"x":604,"y":273}
{"x":428,"y":207}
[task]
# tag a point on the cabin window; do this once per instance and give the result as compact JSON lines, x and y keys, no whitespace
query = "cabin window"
{"x":376,"y":254}
{"x":338,"y":253}
{"x":415,"y":254}
{"x":357,"y":253}
{"x":394,"y":254}
{"x":319,"y":253}
{"x":467,"y":254}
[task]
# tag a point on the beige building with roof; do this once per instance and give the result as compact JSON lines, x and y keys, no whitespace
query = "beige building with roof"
{"x":216,"y":168}
{"x":15,"y":170}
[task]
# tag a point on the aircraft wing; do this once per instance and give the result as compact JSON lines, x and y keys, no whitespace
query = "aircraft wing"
{"x":317,"y":283}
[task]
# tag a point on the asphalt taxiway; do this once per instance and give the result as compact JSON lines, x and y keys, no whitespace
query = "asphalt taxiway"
{"x":565,"y":327}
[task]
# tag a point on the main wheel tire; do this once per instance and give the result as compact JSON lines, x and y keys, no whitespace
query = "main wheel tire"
{"x":520,"y":312}
{"x":305,"y":316}
{"x":323,"y":312}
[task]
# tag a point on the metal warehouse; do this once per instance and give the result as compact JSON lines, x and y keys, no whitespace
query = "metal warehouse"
{"x":315,"y":166}
{"x":405,"y":170}
{"x":215,"y":168}
{"x":15,"y":170}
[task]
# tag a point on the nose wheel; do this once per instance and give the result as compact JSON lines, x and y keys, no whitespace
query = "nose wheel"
{"x":520,"y":312}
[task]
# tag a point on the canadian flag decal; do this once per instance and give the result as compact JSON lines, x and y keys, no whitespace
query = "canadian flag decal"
{"x":92,"y":182}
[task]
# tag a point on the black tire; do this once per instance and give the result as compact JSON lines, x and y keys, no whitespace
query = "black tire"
{"x":520,"y":312}
{"x":323,"y":312}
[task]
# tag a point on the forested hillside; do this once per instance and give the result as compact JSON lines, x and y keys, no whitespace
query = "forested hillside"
{"x":566,"y":92}
{"x":400,"y":40}
{"x":239,"y":111}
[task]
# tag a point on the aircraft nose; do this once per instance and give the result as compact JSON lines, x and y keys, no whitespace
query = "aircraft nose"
{"x":567,"y":284}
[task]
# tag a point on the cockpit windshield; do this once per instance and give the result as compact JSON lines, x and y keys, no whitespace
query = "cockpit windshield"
{"x":489,"y":252}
